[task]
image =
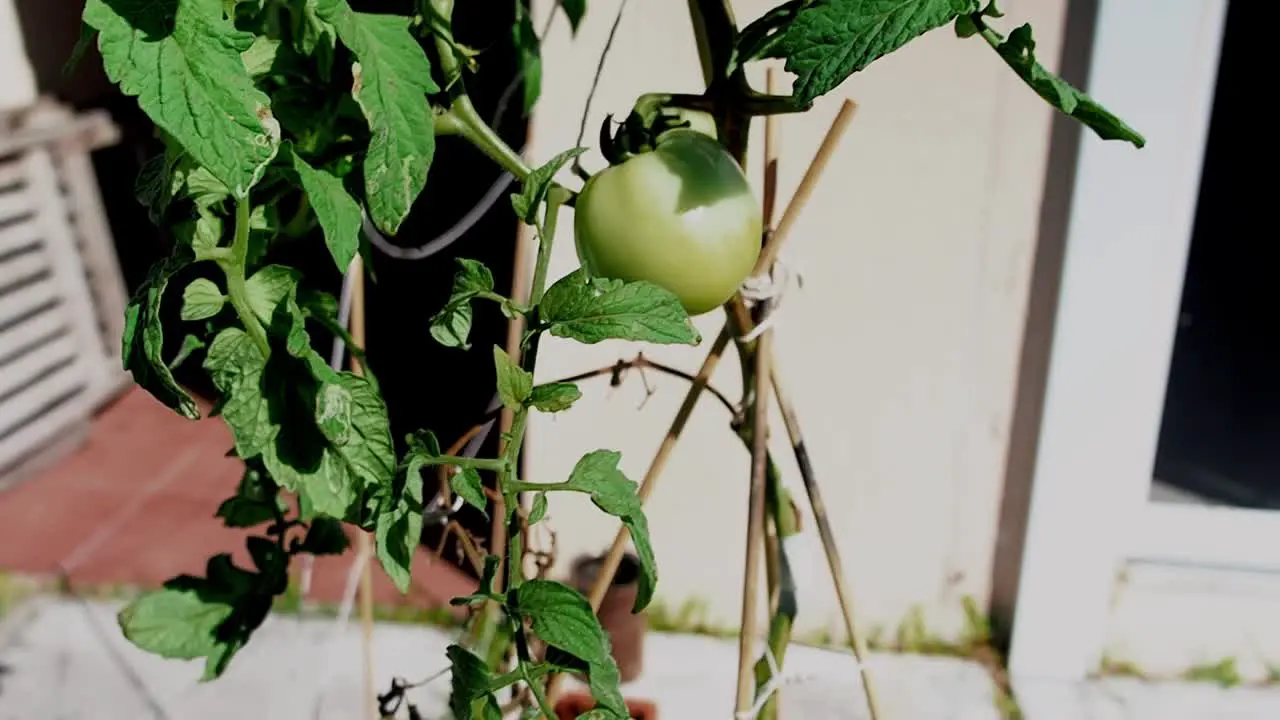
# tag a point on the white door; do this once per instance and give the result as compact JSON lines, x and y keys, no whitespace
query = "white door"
{"x":1153,"y":538}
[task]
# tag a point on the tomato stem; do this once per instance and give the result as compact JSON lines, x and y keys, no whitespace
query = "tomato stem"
{"x":233,"y":267}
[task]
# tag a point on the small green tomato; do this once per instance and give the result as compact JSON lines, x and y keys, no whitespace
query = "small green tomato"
{"x":682,"y":216}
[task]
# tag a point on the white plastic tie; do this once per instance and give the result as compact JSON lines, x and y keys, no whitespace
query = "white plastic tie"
{"x":770,"y":287}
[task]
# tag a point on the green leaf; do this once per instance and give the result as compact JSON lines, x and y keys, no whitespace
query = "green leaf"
{"x":597,"y":473}
{"x":1018,"y":51}
{"x":554,"y":397}
{"x":484,"y":591}
{"x":468,"y":485}
{"x":528,"y":55}
{"x":210,"y":617}
{"x":452,"y":325}
{"x":826,"y":41}
{"x":398,"y":525}
{"x":256,"y":501}
{"x":236,"y":364}
{"x":325,"y":537}
{"x":574,"y":10}
{"x":562,"y":617}
{"x":201,"y":234}
{"x":603,"y":680}
{"x":142,"y":344}
{"x":590,"y":310}
{"x":333,"y":412}
{"x":514,"y":383}
{"x":333,"y":475}
{"x":175,"y":624}
{"x":539,"y":508}
{"x":392,"y":77}
{"x":338,"y":212}
{"x":182,"y":62}
{"x":469,"y":686}
{"x":535,"y":187}
{"x":201,"y":300}
{"x":272,"y":409}
{"x":260,"y":56}
{"x":268,"y":287}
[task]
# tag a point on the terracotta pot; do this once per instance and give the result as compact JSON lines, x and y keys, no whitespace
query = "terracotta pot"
{"x":626,"y":630}
{"x":572,"y":704}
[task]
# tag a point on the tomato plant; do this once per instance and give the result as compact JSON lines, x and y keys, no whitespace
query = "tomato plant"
{"x":681,"y":216}
{"x":302,"y":119}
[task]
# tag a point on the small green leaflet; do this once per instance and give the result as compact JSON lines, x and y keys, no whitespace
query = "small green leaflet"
{"x":528,"y":55}
{"x":256,"y":501}
{"x":338,"y":212}
{"x":452,"y":325}
{"x":535,"y":187}
{"x":260,"y":56}
{"x":484,"y":591}
{"x":590,"y":310}
{"x":190,"y":344}
{"x":174,"y":624}
{"x":574,"y":10}
{"x":562,"y":617}
{"x":208,"y":617}
{"x":182,"y":62}
{"x":324,"y":537}
{"x":235,"y":363}
{"x":398,"y":525}
{"x":826,"y":41}
{"x":597,"y":473}
{"x":514,"y":383}
{"x":201,"y":300}
{"x":539,"y":508}
{"x":142,"y":343}
{"x":391,"y":80}
{"x":470,"y":487}
{"x":469,"y":695}
{"x":554,"y":397}
{"x":603,"y":679}
{"x":1018,"y":51}
{"x":268,"y":287}
{"x":333,"y":475}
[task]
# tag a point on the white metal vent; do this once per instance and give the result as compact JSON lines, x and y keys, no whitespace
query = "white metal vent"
{"x":61,"y":298}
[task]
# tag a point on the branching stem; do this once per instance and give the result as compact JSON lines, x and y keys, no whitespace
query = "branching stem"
{"x":233,"y":266}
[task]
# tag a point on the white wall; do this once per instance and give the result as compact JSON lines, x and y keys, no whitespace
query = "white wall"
{"x":17,"y":81}
{"x":901,"y":349}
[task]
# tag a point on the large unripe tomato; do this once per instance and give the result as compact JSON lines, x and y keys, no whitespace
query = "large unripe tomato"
{"x":681,"y":216}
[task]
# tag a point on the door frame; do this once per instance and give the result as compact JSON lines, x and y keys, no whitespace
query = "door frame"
{"x":1154,"y":62}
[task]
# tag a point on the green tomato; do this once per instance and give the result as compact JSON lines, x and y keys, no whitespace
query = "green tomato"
{"x":682,"y":217}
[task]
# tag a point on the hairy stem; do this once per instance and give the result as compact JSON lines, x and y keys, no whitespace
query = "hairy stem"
{"x":467,"y":123}
{"x":233,"y":266}
{"x":508,"y":485}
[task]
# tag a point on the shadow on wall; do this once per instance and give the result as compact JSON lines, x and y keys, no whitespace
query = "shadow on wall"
{"x":425,"y":385}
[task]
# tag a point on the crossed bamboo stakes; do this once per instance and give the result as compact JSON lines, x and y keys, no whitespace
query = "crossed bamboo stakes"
{"x":767,"y":378}
{"x":740,"y":322}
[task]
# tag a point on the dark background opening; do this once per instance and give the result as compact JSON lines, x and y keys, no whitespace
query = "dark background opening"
{"x":1220,"y":434}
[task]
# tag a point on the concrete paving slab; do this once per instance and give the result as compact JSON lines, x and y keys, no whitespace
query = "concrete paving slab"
{"x":1132,"y":699}
{"x":66,"y":659}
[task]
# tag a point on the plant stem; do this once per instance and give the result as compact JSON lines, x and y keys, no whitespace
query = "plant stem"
{"x":233,"y":266}
{"x":468,"y":124}
{"x":538,"y":694}
{"x":509,"y":487}
{"x":491,"y":464}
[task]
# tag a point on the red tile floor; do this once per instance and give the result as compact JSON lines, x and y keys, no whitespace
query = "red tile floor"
{"x":134,"y":506}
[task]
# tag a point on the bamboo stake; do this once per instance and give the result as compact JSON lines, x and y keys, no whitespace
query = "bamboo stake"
{"x":802,"y":194}
{"x":759,"y":441}
{"x":364,"y":548}
{"x":792,"y":422}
